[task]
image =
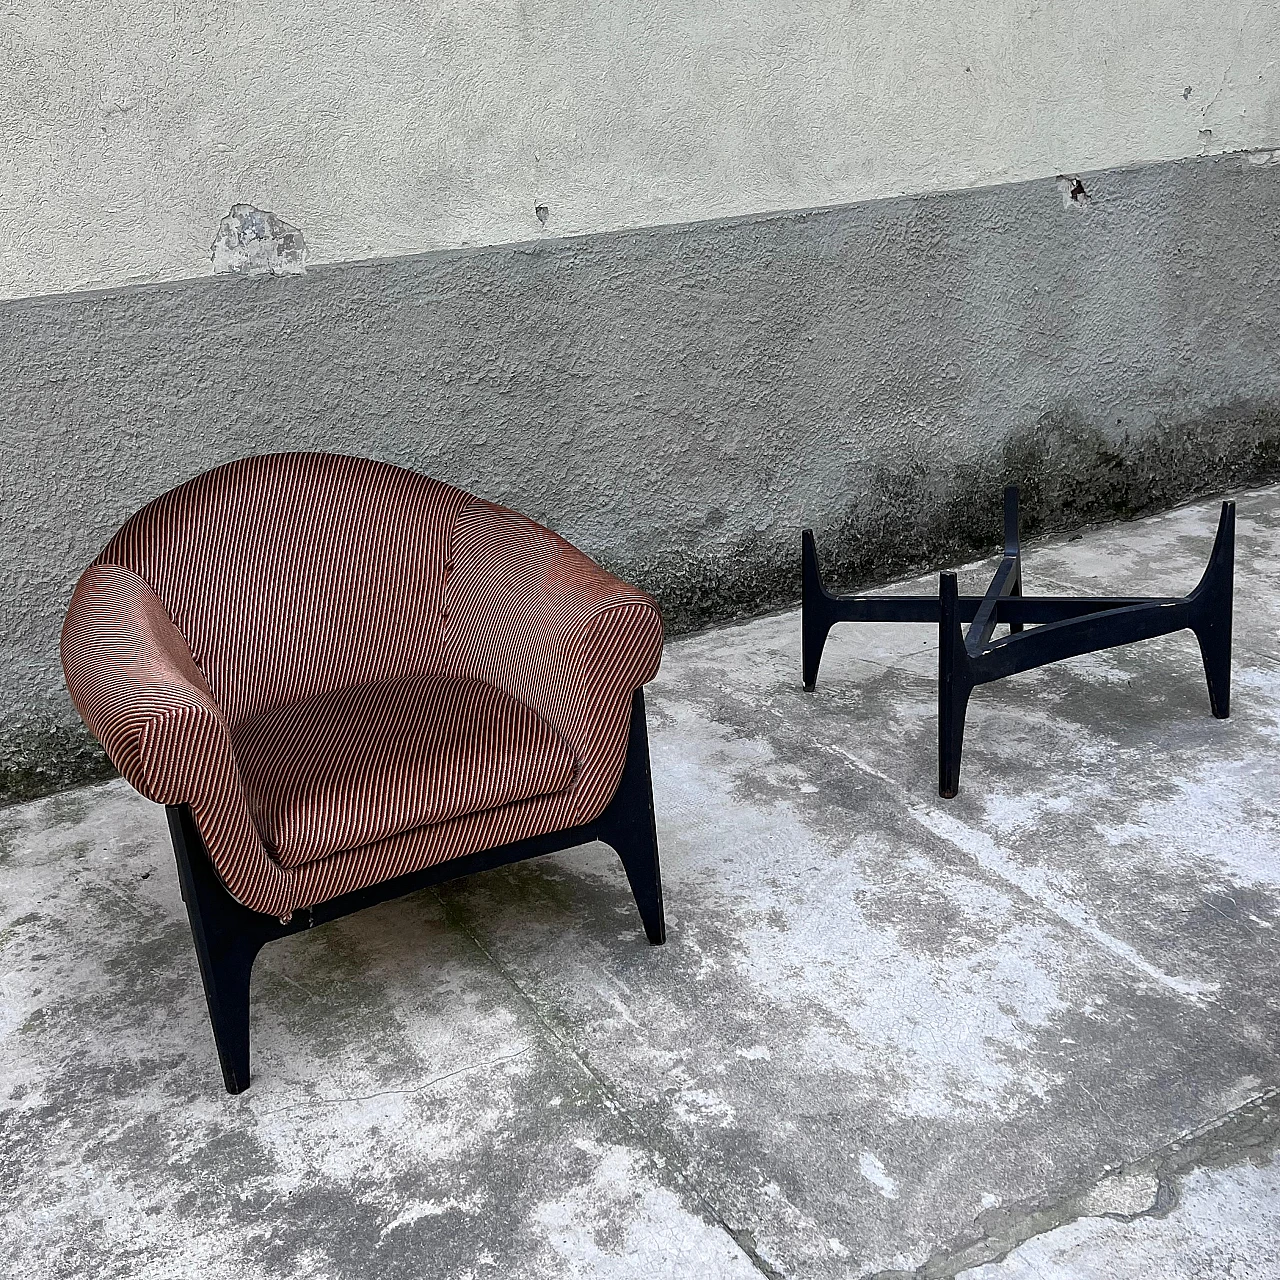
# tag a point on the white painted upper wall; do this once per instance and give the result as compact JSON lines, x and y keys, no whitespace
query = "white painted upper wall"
{"x":128,"y":131}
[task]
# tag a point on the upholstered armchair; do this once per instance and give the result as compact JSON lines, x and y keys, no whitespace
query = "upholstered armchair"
{"x":347,"y":681}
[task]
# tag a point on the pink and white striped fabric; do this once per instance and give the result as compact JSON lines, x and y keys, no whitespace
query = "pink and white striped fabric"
{"x":351,"y":671}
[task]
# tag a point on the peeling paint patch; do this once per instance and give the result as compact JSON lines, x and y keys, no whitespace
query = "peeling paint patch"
{"x":254,"y":242}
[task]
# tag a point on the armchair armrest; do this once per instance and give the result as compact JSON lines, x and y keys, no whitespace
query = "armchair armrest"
{"x":532,"y":615}
{"x":135,"y":684}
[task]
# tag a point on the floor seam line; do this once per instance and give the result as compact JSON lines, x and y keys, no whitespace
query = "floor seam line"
{"x":651,"y":1146}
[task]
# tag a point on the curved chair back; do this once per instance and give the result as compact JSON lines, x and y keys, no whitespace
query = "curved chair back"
{"x":298,"y":573}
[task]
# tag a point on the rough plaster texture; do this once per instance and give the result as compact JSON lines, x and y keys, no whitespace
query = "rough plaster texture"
{"x":681,"y":401}
{"x":127,"y":132}
{"x":890,"y":1036}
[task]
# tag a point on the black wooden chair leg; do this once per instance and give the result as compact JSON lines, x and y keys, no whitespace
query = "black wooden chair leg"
{"x":226,"y":988}
{"x":628,"y":826}
{"x":1011,"y":546}
{"x":228,"y":938}
{"x":815,"y":616}
{"x":1215,"y":650}
{"x":954,"y":687}
{"x":1211,"y":613}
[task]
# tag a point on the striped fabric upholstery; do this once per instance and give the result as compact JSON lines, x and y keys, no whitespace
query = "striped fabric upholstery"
{"x":351,"y":671}
{"x":343,"y":769}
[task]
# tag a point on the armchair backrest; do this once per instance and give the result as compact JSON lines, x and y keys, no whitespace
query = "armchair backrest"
{"x":296,"y":573}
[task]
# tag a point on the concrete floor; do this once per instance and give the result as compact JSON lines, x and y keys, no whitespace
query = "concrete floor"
{"x":1030,"y":1032}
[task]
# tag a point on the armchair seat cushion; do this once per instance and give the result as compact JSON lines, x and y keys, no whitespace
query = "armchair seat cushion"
{"x":346,"y":768}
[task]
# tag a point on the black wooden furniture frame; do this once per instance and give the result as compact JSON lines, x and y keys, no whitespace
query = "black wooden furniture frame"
{"x":1065,"y":627}
{"x":229,"y":936}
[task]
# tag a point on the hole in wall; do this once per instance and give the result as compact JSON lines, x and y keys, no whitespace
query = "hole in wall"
{"x":1072,"y":191}
{"x":542,"y":213}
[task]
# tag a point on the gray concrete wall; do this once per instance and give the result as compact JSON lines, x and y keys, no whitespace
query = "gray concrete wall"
{"x":679,"y":401}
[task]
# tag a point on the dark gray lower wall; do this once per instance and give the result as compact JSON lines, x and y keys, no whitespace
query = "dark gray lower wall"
{"x":678,"y":401}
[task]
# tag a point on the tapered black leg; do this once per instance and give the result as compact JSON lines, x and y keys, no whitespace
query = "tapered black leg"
{"x":228,"y":937}
{"x":1215,"y":652}
{"x":954,"y":687}
{"x":1211,"y":613}
{"x":815,"y":616}
{"x":1011,"y":545}
{"x":1016,"y":590}
{"x":628,"y":826}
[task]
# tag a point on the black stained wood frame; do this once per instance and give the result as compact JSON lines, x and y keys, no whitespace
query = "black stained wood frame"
{"x":228,"y":936}
{"x":1065,"y":627}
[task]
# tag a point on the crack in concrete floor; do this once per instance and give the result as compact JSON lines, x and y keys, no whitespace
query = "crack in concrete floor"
{"x":1250,"y":1132}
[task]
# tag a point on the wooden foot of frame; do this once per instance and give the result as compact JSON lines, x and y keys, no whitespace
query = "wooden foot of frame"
{"x":228,"y":936}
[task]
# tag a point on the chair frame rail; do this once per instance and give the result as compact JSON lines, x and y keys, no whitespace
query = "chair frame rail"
{"x":1064,"y":627}
{"x":228,"y":935}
